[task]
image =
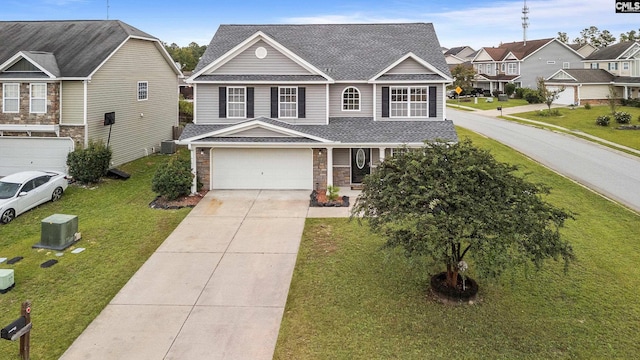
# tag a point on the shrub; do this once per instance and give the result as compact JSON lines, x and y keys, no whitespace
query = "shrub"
{"x":587,"y":106}
{"x":173,"y":179}
{"x":532,"y":96}
{"x":548,"y":113}
{"x":603,"y":120}
{"x":622,"y":117}
{"x":519,"y":93}
{"x":509,"y":89}
{"x":88,"y":165}
{"x":333,"y":192}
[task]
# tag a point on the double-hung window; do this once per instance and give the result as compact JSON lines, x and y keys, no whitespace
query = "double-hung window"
{"x":143,"y":90}
{"x":236,"y":102}
{"x":38,"y":98}
{"x":613,"y":66}
{"x":408,"y":102}
{"x":595,"y":65}
{"x":288,"y":102}
{"x":512,"y":68}
{"x":10,"y":98}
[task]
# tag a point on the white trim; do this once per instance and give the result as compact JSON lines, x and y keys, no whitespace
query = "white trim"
{"x":31,"y":98}
{"x":359,"y":109}
{"x":327,"y":104}
{"x":28,"y":128}
{"x":195,"y":103}
{"x":4,"y":97}
{"x":418,"y":60}
{"x":375,"y":102}
{"x":146,"y":90}
{"x":14,"y":59}
{"x":297,"y":94}
{"x":244,"y":115}
{"x":259,"y":35}
{"x":85,"y":114}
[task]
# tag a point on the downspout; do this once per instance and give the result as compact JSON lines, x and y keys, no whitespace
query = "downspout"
{"x":85,"y":112}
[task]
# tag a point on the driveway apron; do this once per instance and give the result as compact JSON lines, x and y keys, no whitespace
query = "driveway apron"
{"x":215,"y":289}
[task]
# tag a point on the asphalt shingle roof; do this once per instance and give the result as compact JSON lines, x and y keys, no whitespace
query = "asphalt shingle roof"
{"x":610,"y":52}
{"x":342,"y":51}
{"x":79,"y":47}
{"x":352,"y":130}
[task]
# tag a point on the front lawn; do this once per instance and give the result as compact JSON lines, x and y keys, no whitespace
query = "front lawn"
{"x":351,"y":300}
{"x":119,"y":232}
{"x":483,"y":104}
{"x":584,"y":120}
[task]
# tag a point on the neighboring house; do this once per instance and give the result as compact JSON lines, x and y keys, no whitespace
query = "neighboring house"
{"x":308,"y":106}
{"x":459,"y":55}
{"x":615,"y":65}
{"x":59,"y":79}
{"x":585,"y":49}
{"x":522,"y":63}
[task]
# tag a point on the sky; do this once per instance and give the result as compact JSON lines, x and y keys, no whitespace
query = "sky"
{"x":472,"y":23}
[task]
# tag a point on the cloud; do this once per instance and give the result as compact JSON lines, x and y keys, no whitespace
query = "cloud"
{"x":64,"y":2}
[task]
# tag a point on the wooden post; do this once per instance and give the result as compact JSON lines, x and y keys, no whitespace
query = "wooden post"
{"x":25,"y":340}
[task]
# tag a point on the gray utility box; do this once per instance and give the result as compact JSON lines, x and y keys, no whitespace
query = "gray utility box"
{"x":58,"y":232}
{"x":6,"y":280}
{"x":168,"y":147}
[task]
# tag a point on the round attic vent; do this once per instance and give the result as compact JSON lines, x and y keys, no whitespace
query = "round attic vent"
{"x":261,"y":52}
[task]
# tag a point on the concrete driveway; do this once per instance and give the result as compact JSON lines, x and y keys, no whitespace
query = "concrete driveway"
{"x":215,"y":289}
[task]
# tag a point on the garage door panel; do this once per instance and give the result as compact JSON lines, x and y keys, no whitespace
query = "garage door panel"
{"x":565,"y":97}
{"x":261,"y":169}
{"x":33,"y":153}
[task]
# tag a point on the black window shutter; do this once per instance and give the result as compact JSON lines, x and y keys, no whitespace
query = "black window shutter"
{"x":274,"y":102}
{"x":433,"y":101}
{"x":385,"y":101}
{"x":302,"y":109}
{"x":222,"y":103}
{"x":250,"y":102}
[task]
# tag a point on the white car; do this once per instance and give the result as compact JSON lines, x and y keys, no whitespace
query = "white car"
{"x":22,"y":191}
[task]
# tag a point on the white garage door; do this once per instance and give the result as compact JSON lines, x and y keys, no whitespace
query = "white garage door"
{"x":262,"y":169}
{"x":33,"y":153}
{"x":565,"y":97}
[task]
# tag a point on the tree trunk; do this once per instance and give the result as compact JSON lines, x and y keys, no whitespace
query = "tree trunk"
{"x":452,"y":276}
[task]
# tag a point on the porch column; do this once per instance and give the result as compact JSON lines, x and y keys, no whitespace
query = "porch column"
{"x":329,"y":167}
{"x":194,"y":184}
{"x":381,"y":153}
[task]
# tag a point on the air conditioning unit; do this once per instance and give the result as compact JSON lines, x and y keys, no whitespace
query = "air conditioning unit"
{"x":6,"y":280}
{"x":58,"y":232}
{"x":168,"y":147}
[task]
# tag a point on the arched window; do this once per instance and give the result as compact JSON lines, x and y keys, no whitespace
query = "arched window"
{"x":351,"y":99}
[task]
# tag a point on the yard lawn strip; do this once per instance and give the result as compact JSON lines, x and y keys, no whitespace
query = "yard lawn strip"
{"x":119,"y":232}
{"x":350,"y":300}
{"x":484,"y":105}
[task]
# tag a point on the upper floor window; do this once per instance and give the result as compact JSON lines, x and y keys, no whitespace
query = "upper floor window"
{"x":38,"y":98}
{"x":613,"y":66}
{"x":479,"y":68}
{"x":408,"y":102}
{"x":236,"y":102}
{"x":288,"y":102}
{"x":595,"y":65}
{"x":143,"y":90}
{"x":10,"y":98}
{"x":625,"y":66}
{"x":566,"y":65}
{"x":351,"y":99}
{"x":503,"y":67}
{"x":512,"y":68}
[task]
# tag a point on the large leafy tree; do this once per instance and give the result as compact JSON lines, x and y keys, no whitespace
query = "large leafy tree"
{"x":187,"y":56}
{"x":463,"y":76}
{"x":450,"y":202}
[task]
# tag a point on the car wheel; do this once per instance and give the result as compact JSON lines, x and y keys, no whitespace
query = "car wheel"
{"x":57,"y":194}
{"x":7,"y":216}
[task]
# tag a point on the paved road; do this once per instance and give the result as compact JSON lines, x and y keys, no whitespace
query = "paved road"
{"x":611,"y":173}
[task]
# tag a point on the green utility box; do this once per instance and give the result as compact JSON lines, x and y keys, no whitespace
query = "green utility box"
{"x":6,"y":280}
{"x":58,"y":232}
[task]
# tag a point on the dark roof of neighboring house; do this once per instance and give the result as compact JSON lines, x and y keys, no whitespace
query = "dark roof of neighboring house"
{"x":520,"y":49}
{"x":586,"y":76}
{"x":610,"y":52}
{"x":456,"y":50}
{"x":78,"y":47}
{"x":342,"y":51}
{"x":346,"y":130}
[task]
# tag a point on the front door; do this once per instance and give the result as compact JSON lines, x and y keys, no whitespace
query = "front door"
{"x":360,"y":164}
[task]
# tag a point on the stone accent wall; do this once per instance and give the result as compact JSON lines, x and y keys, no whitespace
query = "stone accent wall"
{"x":596,"y":102}
{"x":319,"y":169}
{"x":203,"y":167}
{"x":74,"y":132}
{"x":341,"y":176}
{"x":51,"y":117}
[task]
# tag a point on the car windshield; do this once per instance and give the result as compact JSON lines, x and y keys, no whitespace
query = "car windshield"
{"x":8,"y":190}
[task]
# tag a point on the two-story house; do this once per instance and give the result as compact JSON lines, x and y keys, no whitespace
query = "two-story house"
{"x":522,"y":63}
{"x":308,"y":106}
{"x":614,"y":67}
{"x":60,"y":79}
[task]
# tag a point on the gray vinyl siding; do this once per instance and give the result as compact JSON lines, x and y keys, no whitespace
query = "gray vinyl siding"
{"x":366,"y":100}
{"x":439,"y":103}
{"x":72,"y":103}
{"x":409,"y":66}
{"x":274,"y":63}
{"x":207,"y":104}
{"x":140,"y":126}
{"x":536,"y":64}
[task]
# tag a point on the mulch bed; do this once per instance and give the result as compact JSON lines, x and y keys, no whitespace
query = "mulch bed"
{"x":458,"y":295}
{"x":189,"y":201}
{"x":320,"y":200}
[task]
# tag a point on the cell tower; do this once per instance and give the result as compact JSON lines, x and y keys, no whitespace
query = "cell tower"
{"x":525,"y":22}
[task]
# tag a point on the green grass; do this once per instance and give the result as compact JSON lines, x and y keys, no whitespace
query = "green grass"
{"x":484,"y":105}
{"x":351,"y":300}
{"x":119,"y":232}
{"x":584,"y":120}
